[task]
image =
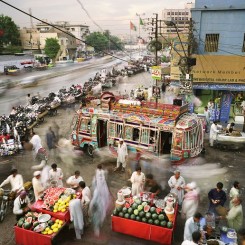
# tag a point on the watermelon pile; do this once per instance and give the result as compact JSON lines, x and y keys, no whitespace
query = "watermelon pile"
{"x":140,"y":211}
{"x":30,"y":221}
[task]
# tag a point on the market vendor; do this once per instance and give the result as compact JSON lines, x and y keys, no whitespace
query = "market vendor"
{"x":73,"y":181}
{"x":37,"y":185}
{"x":230,"y":127}
{"x":152,"y":186}
{"x":22,"y":205}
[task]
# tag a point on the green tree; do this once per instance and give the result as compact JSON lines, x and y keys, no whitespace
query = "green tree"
{"x":9,"y":33}
{"x":52,"y":48}
{"x":97,"y":40}
{"x":116,"y":43}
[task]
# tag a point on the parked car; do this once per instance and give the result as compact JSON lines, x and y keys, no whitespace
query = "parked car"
{"x":10,"y":69}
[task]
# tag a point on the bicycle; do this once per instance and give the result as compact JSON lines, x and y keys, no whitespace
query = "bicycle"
{"x":5,"y":202}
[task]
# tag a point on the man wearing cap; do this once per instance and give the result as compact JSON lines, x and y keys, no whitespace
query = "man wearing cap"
{"x":15,"y":180}
{"x":177,"y":185}
{"x":122,"y":153}
{"x":37,"y":185}
{"x":22,"y":205}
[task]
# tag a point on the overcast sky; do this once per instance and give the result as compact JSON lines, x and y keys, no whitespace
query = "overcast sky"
{"x":114,"y":15}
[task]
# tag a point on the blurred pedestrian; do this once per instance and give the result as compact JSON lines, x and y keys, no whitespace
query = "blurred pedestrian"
{"x":56,"y":130}
{"x":234,"y":192}
{"x":37,"y":185}
{"x":191,"y":201}
{"x":51,"y":141}
{"x":177,"y":185}
{"x":213,"y":132}
{"x":56,"y":175}
{"x":138,"y":180}
{"x":207,"y":116}
{"x":76,"y":216}
{"x":122,"y":154}
{"x":36,"y":142}
{"x":101,"y":201}
{"x":235,"y":214}
{"x":217,"y":197}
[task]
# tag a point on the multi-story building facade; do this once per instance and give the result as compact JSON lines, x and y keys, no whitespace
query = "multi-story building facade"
{"x":219,"y":74}
{"x":181,"y":17}
{"x":30,"y":39}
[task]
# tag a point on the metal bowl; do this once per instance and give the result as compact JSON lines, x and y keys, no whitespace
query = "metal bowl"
{"x":44,"y":218}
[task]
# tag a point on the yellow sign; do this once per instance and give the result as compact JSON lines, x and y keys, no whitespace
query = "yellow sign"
{"x":156,"y":72}
{"x":219,"y":69}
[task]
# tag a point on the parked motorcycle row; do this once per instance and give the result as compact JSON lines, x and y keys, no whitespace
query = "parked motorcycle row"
{"x":15,"y":128}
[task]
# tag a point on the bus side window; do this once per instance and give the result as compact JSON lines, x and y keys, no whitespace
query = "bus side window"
{"x":152,"y":137}
{"x":136,"y":134}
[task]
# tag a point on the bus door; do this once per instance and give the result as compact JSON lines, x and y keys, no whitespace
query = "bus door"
{"x":165,"y":142}
{"x":102,"y":132}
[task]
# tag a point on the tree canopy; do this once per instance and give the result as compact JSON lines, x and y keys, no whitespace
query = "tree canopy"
{"x":104,"y":41}
{"x":9,"y":33}
{"x":52,"y":47}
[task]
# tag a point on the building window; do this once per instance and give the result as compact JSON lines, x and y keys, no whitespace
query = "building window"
{"x":183,"y":13}
{"x":176,"y":13}
{"x":176,"y":18}
{"x":243,"y":46}
{"x":172,"y":13}
{"x":168,"y":13}
{"x":211,"y":42}
{"x":72,"y":29}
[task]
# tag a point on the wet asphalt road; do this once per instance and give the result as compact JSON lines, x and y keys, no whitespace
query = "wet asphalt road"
{"x":214,"y":166}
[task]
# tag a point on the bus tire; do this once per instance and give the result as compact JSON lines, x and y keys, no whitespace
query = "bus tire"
{"x":90,"y":150}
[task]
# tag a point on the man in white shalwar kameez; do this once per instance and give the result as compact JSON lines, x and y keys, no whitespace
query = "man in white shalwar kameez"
{"x":213,"y":133}
{"x":177,"y":185}
{"x":56,"y":174}
{"x":138,"y":180}
{"x":36,"y":143}
{"x":76,"y":214}
{"x":122,"y":153}
{"x":37,"y":185}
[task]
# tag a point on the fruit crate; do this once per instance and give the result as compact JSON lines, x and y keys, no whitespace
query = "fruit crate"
{"x":143,"y":230}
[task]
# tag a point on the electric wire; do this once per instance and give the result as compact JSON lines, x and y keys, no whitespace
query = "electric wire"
{"x":68,"y":33}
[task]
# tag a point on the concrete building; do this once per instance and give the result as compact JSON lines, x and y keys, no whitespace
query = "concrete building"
{"x":219,"y":74}
{"x":181,"y":17}
{"x":30,"y":39}
{"x":78,"y":30}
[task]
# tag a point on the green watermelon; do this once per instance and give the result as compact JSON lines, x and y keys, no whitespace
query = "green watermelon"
{"x":50,"y":223}
{"x":20,"y":223}
{"x":154,"y":216}
{"x":150,"y":221}
{"x":140,"y":207}
{"x":163,"y":223}
{"x":144,"y":204}
{"x":144,"y":220}
{"x":161,"y":217}
{"x":126,"y":216}
{"x":27,"y":225}
{"x":156,"y":222}
{"x":170,"y":225}
{"x":134,"y":206}
{"x":119,"y":209}
{"x":141,"y":214}
{"x":36,"y":223}
{"x":148,"y":215}
{"x":130,"y":210}
{"x":132,"y":216}
{"x":138,"y":201}
{"x":153,"y":210}
{"x":137,"y":218}
{"x":120,"y":214}
{"x":124,"y":210}
{"x":147,"y":208}
{"x":136,"y":212}
{"x":115,"y":212}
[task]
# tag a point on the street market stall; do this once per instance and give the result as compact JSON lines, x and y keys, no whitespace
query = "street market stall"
{"x":37,"y":228}
{"x":145,"y":217}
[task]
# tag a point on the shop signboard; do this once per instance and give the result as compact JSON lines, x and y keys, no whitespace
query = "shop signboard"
{"x":156,"y":72}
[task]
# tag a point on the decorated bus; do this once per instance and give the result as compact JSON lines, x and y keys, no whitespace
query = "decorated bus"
{"x":146,"y":127}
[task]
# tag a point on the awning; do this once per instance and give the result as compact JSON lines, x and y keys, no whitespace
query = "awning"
{"x":230,"y":87}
